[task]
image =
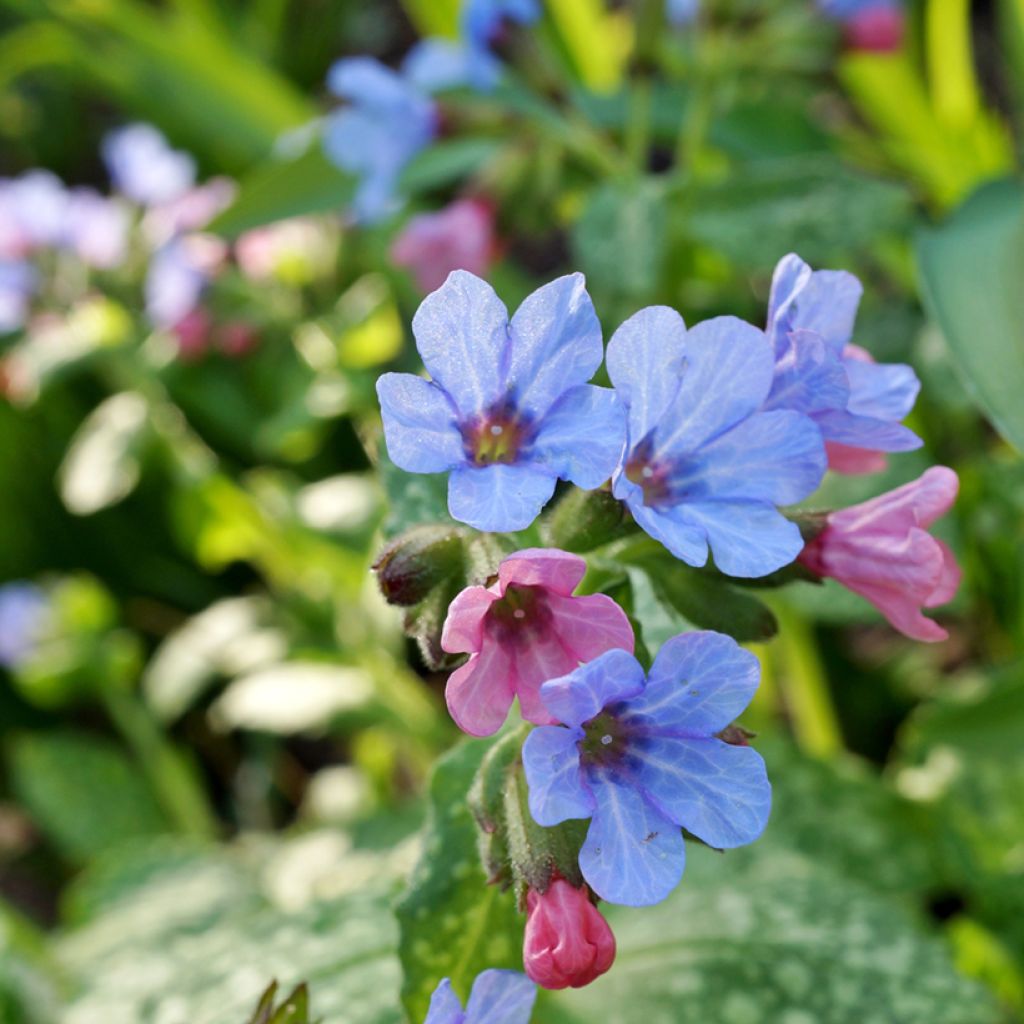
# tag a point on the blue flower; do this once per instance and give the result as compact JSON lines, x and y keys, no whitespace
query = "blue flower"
{"x":389,"y":119}
{"x":144,"y":167}
{"x":854,"y":401}
{"x":704,"y":465}
{"x":498,"y":997}
{"x":682,"y":12}
{"x":23,"y":612}
{"x":481,"y":22}
{"x":508,"y":410}
{"x":17,"y":285}
{"x":844,"y":10}
{"x":642,"y":760}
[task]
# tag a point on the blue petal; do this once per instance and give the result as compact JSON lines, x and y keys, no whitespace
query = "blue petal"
{"x":748,"y":539}
{"x":551,"y":761}
{"x":645,"y":363}
{"x":580,"y":696}
{"x":499,"y":498}
{"x":501,"y":997}
{"x":866,"y":432}
{"x":582,"y":436}
{"x":788,"y":280}
{"x":462,"y":335}
{"x":727,"y":376}
{"x":445,"y":1007}
{"x":366,"y":81}
{"x":434,"y":65}
{"x":884,"y":391}
{"x":717,"y":791}
{"x":686,"y":540}
{"x":809,"y":376}
{"x":772,"y":456}
{"x":556,"y":343}
{"x":419,"y":424}
{"x":632,"y":855}
{"x":699,"y":683}
{"x":828,"y":305}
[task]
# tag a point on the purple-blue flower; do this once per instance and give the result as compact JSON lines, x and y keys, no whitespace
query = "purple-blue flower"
{"x":682,"y":12}
{"x":641,"y":758}
{"x":844,"y":10}
{"x":97,"y":228}
{"x":143,"y":166}
{"x":17,"y":284}
{"x":33,"y":213}
{"x":498,"y":997}
{"x":23,"y":612}
{"x":705,"y":465}
{"x":481,"y":23}
{"x":389,"y":119}
{"x":508,"y":410}
{"x":854,"y":401}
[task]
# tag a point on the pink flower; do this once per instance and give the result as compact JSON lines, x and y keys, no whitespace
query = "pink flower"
{"x":567,"y":943}
{"x":521,"y":631}
{"x":844,"y":458}
{"x":459,"y":237}
{"x":882,"y":551}
{"x":192,"y":333}
{"x":877,"y":29}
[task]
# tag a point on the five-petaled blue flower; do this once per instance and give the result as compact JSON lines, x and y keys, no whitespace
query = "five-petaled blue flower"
{"x":704,"y":464}
{"x":853,"y":400}
{"x":390,"y":118}
{"x":642,"y":760}
{"x":498,"y":997}
{"x":509,"y":410}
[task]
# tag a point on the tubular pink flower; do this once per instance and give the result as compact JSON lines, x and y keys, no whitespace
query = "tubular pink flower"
{"x":881,"y":550}
{"x":521,"y":631}
{"x":567,"y":942}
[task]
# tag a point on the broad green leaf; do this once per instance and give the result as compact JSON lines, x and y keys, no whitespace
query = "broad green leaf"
{"x":970,"y":273}
{"x":309,"y":183}
{"x":29,"y":983}
{"x":453,"y":924}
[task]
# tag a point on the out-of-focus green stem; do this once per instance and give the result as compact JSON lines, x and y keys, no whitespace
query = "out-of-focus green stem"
{"x":951,"y":78}
{"x":638,"y":128}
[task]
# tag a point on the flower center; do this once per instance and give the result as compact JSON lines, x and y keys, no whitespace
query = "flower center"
{"x":497,"y":435}
{"x":518,"y":615}
{"x":604,"y":741}
{"x":651,"y":477}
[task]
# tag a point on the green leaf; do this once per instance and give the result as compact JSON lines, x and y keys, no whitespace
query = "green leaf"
{"x":414,"y":499}
{"x":970,"y":272}
{"x":453,"y":924}
{"x":28,"y":980}
{"x":84,"y":793}
{"x":309,"y":183}
{"x":446,"y":163}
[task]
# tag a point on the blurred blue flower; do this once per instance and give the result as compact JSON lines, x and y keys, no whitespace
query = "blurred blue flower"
{"x":508,"y":410}
{"x":33,"y":213}
{"x":498,"y":997}
{"x":705,"y":465}
{"x":854,"y":401}
{"x":178,"y":274}
{"x":97,"y":228}
{"x":143,"y":166}
{"x":641,"y":758}
{"x":17,"y":284}
{"x":682,"y":12}
{"x":389,"y":119}
{"x":480,"y":25}
{"x":844,"y":10}
{"x":23,"y":612}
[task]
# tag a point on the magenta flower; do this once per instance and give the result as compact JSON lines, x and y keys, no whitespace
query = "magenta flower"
{"x":459,"y":237}
{"x":521,"y":631}
{"x":881,"y":550}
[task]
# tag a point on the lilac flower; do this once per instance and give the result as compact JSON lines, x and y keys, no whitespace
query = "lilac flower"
{"x":508,"y":411}
{"x":33,"y":213}
{"x":705,"y":465}
{"x":23,"y":612}
{"x":144,"y":167}
{"x":498,"y":997}
{"x":17,"y":284}
{"x":178,"y":275}
{"x":854,"y":401}
{"x":389,"y":119}
{"x":641,"y":758}
{"x":97,"y":228}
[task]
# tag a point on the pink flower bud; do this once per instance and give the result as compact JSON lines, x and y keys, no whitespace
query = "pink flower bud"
{"x":568,"y":943}
{"x":881,"y":550}
{"x":876,"y":29}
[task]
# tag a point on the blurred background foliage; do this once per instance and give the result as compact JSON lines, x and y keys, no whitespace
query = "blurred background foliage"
{"x":214,"y":765}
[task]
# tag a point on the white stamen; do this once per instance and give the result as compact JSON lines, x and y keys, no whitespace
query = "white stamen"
{"x":519,"y":614}
{"x":606,"y":739}
{"x":496,"y":430}
{"x":647,"y":472}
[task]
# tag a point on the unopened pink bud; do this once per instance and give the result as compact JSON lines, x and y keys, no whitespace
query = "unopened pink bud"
{"x":568,"y":943}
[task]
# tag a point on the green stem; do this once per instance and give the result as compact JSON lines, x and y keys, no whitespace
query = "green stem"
{"x":638,"y":127}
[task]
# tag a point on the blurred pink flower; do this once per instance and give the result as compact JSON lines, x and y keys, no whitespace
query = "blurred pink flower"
{"x":188,"y":212}
{"x":881,"y":550}
{"x":97,"y":228}
{"x":521,"y":631}
{"x":192,"y":332}
{"x":459,"y":237}
{"x":237,"y":339}
{"x":877,"y":29}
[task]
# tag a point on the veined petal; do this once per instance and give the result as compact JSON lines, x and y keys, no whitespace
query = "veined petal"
{"x":747,"y":538}
{"x":554,"y":570}
{"x":556,"y":344}
{"x":589,"y":626}
{"x":464,"y":624}
{"x":480,"y":692}
{"x":886,"y":391}
{"x":579,"y":696}
{"x":501,"y":997}
{"x":445,"y":1007}
{"x":828,"y":305}
{"x":542,"y":658}
{"x":788,"y":280}
{"x":645,"y":363}
{"x":419,"y":424}
{"x":462,"y":335}
{"x":551,"y":761}
{"x":436,"y":64}
{"x":365,"y":80}
{"x":687,"y":540}
{"x":866,"y":432}
{"x":727,"y":377}
{"x":776,"y":456}
{"x":809,"y":376}
{"x":633,"y":855}
{"x":699,"y":683}
{"x":717,"y":791}
{"x":499,"y":498}
{"x":582,"y":436}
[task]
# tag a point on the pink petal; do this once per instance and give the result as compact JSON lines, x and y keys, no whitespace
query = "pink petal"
{"x":480,"y":693}
{"x":949,"y":581}
{"x":918,"y":503}
{"x":464,"y":625}
{"x":589,"y":626}
{"x":557,"y":571}
{"x":544,"y":657}
{"x":844,"y":458}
